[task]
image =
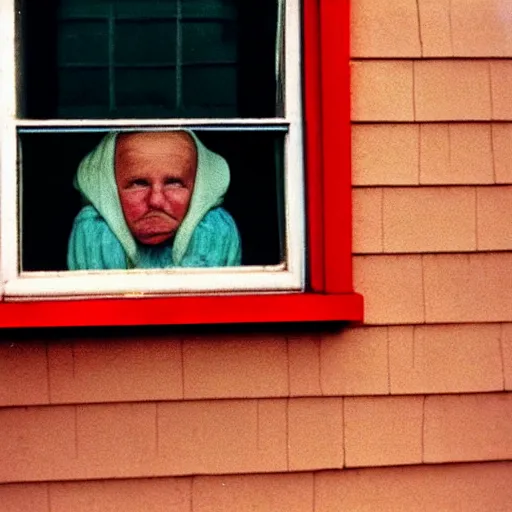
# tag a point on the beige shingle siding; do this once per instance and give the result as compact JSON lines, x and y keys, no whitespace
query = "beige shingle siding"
{"x":390,"y":154}
{"x":467,"y":486}
{"x":431,"y":90}
{"x":432,"y":167}
{"x":431,"y":28}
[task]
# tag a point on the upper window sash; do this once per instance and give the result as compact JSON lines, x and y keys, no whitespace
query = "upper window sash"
{"x":77,"y":63}
{"x":288,"y":276}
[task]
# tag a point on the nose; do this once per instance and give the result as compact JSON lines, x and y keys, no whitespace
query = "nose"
{"x":156,"y":197}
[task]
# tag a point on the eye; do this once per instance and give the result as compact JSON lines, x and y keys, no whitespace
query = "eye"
{"x":139,"y":182}
{"x":173,"y":182}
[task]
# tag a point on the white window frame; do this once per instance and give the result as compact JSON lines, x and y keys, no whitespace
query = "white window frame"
{"x":288,"y":276}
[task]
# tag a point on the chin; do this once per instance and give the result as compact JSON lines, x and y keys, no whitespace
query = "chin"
{"x":155,"y":239}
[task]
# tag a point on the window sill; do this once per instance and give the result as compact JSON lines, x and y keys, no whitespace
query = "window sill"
{"x":211,"y":309}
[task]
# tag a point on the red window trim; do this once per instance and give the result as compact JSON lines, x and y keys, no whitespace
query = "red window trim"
{"x":330,"y":295}
{"x":328,"y":150}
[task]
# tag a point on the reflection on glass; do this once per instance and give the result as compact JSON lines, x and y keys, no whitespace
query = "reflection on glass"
{"x":193,"y":58}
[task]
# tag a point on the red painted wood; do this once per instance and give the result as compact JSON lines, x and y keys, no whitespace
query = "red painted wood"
{"x":335,"y":75}
{"x":221,"y":309}
{"x":313,"y":146}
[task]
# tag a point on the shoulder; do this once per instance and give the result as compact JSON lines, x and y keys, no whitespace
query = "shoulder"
{"x":90,"y":221}
{"x":88,"y":214}
{"x":215,"y":242}
{"x":218,"y":221}
{"x":92,"y":244}
{"x":90,"y":224}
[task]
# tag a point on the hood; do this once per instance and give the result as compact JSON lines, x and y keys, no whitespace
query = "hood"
{"x":95,"y":180}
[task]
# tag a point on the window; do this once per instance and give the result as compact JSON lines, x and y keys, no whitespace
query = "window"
{"x":230,"y":71}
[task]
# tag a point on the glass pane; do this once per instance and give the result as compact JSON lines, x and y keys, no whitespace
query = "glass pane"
{"x":254,"y":198}
{"x":217,"y":100}
{"x":145,"y":92}
{"x":197,"y":9}
{"x":145,"y":9}
{"x":83,"y":43}
{"x":219,"y":54}
{"x":83,"y":90}
{"x":209,"y":42}
{"x":81,"y":9}
{"x":145,"y":42}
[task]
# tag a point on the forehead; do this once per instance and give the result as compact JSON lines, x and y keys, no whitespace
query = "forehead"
{"x":177,"y":149}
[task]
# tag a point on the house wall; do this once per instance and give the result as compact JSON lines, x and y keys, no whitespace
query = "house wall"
{"x":411,"y":411}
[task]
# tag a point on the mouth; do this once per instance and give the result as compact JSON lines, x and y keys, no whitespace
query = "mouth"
{"x":157,"y":215}
{"x":155,"y":227}
{"x":155,"y":234}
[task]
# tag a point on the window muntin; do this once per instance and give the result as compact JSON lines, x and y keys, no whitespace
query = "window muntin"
{"x":287,"y":275}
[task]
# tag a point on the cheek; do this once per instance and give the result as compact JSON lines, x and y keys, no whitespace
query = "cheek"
{"x":178,"y":201}
{"x":134,"y":204}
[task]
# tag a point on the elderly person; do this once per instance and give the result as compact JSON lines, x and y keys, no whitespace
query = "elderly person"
{"x":153,"y":201}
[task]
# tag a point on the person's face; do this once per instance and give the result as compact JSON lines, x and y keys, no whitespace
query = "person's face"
{"x":155,"y":174}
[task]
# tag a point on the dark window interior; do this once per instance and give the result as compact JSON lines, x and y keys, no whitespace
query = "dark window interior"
{"x":148,"y":58}
{"x":49,"y":203}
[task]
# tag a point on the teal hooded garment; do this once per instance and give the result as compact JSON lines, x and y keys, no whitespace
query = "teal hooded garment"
{"x":100,"y":238}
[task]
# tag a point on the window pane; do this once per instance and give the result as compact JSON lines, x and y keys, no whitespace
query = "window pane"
{"x":145,"y":91}
{"x":66,"y":42}
{"x":49,"y":203}
{"x":83,"y":43}
{"x":198,"y":9}
{"x":83,"y":90}
{"x":216,"y":101}
{"x":209,"y":42}
{"x":145,"y":42}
